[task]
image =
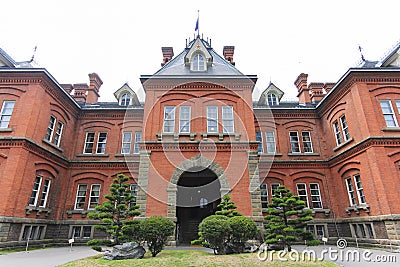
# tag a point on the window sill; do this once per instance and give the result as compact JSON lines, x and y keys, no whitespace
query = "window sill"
{"x":52,"y":145}
{"x":303,"y":154}
{"x":343,"y":144}
{"x":39,"y":210}
{"x":93,"y":155}
{"x":357,"y":209}
{"x":6,"y":130}
{"x":326,"y":212}
{"x":271,"y":154}
{"x":391,"y":129}
{"x":82,"y":212}
{"x":222,"y":135}
{"x":127,"y":155}
{"x":176,"y":136}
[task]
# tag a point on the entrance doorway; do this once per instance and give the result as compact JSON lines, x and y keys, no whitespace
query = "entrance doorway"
{"x":198,"y":196}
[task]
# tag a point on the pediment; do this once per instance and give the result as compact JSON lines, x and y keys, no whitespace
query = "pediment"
{"x":124,"y":90}
{"x":198,"y":47}
{"x":271,"y":89}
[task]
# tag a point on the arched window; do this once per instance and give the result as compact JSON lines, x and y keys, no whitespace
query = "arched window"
{"x":125,"y":99}
{"x":198,"y":63}
{"x":272,"y":99}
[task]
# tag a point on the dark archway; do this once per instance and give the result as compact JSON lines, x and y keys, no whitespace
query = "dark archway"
{"x":198,"y":194}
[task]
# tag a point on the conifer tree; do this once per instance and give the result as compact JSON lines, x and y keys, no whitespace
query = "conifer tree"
{"x":227,"y":207}
{"x":286,"y":219}
{"x":117,"y":210}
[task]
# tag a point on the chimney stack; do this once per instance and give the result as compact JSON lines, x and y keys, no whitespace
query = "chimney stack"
{"x":80,"y":90}
{"x":228,"y":52}
{"x":168,"y":53}
{"x":94,"y":87}
{"x":303,"y":91}
{"x":328,"y":87}
{"x":316,"y":91}
{"x":67,"y":87}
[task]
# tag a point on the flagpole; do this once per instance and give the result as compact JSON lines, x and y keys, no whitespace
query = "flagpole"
{"x":198,"y":22}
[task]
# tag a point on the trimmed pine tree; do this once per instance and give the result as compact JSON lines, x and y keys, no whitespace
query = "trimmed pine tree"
{"x":117,"y":210}
{"x":286,"y":219}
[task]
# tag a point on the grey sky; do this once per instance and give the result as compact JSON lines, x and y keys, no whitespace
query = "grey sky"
{"x":120,"y":40}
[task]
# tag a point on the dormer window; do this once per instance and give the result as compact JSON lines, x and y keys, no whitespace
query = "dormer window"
{"x":125,"y":99}
{"x":272,"y":100}
{"x":198,"y":63}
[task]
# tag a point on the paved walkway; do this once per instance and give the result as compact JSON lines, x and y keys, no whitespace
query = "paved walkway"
{"x":348,"y":257}
{"x":48,"y":257}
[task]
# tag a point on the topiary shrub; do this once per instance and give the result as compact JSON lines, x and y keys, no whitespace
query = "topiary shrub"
{"x":314,"y":242}
{"x":155,"y":231}
{"x":131,"y":232}
{"x":97,"y":248}
{"x":242,"y":229}
{"x":214,"y":233}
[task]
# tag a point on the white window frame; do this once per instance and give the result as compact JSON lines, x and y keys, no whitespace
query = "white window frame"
{"x":304,"y":195}
{"x":125,"y":99}
{"x":270,"y":142}
{"x":101,"y":143}
{"x":198,"y":63}
{"x":80,"y":227}
{"x":359,"y":189}
{"x":169,"y":116}
{"x":345,"y":128}
{"x":228,"y":117}
{"x":303,"y":137}
{"x":6,"y":113}
{"x":391,"y":113}
{"x":259,"y":138}
{"x":45,"y":193}
{"x":272,"y":99}
{"x":50,"y":128}
{"x":58,"y":133}
{"x":80,"y":196}
{"x":138,"y":138}
{"x":212,"y":119}
{"x":293,"y":142}
{"x":274,"y":186}
{"x":38,"y":233}
{"x":318,"y":195}
{"x":35,"y":191}
{"x":88,"y":143}
{"x":92,"y":197}
{"x":184,"y":122}
{"x":126,"y":142}
{"x":336,"y":131}
{"x":350,"y":192}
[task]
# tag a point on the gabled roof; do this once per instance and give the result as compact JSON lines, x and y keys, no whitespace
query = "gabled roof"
{"x":392,"y":59}
{"x":127,"y":89}
{"x":271,"y":88}
{"x":218,"y":67}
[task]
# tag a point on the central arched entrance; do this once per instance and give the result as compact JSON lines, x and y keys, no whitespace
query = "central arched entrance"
{"x":198,"y":194}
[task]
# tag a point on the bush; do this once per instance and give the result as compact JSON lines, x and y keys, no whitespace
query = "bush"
{"x":97,"y":248}
{"x":155,"y":231}
{"x":131,"y":231}
{"x":214,"y":233}
{"x":314,"y":242}
{"x":242,"y":229}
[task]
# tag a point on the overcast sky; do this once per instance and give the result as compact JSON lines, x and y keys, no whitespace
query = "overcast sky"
{"x":121,"y":40}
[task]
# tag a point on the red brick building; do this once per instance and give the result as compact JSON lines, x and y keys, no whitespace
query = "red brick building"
{"x":198,"y":136}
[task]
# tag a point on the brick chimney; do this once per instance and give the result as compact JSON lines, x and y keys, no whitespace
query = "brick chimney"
{"x":67,"y":87}
{"x":301,"y":84}
{"x":316,"y":91}
{"x":80,"y":90}
{"x":94,"y":87}
{"x":328,"y":87}
{"x":168,"y":53}
{"x":228,"y":54}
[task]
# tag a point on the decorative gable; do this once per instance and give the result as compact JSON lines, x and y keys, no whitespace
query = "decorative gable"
{"x":198,"y":58}
{"x":271,"y":95}
{"x":126,"y":96}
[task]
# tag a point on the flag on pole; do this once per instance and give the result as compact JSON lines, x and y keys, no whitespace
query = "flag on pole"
{"x":197,"y":24}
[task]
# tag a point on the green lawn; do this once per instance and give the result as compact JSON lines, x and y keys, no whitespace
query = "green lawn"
{"x":186,"y":258}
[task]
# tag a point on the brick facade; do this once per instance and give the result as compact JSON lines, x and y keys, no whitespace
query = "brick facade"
{"x":367,"y":151}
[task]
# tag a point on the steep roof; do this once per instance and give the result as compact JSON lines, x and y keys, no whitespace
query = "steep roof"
{"x":218,"y":67}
